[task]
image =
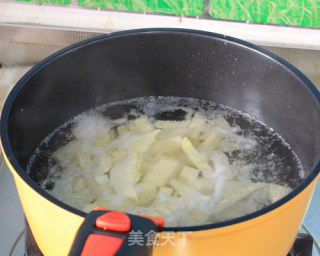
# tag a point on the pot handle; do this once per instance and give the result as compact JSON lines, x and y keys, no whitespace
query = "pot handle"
{"x":112,"y":233}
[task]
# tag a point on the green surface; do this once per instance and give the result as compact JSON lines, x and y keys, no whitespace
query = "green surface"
{"x":184,"y":7}
{"x":64,"y":2}
{"x":286,"y":12}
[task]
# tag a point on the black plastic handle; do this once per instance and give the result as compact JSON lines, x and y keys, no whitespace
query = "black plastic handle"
{"x":91,"y":240}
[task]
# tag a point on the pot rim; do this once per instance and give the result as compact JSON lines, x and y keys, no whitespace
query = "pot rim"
{"x":20,"y":84}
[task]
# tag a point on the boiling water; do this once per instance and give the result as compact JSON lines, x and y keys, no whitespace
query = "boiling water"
{"x":264,"y":154}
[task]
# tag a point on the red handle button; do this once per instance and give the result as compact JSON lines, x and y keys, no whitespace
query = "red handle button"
{"x":115,"y":221}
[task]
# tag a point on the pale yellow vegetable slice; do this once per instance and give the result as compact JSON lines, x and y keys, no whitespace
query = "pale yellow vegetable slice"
{"x":146,"y":166}
{"x":105,"y":140}
{"x":142,"y":143}
{"x":143,"y":124}
{"x":188,"y":175}
{"x":196,"y":127}
{"x":180,"y":188}
{"x":125,"y":174}
{"x":74,"y":153}
{"x":83,"y":160}
{"x":117,"y":154}
{"x":167,"y":133}
{"x":67,"y":153}
{"x":78,"y":184}
{"x":276,"y":192}
{"x":235,"y":196}
{"x":162,"y":171}
{"x":221,"y":122}
{"x":166,"y":190}
{"x":227,"y":146}
{"x":211,"y":142}
{"x":146,"y":192}
{"x":195,"y":156}
{"x":198,"y":122}
{"x":203,"y":185}
{"x":205,"y":134}
{"x":165,"y":145}
{"x":220,"y":163}
{"x":122,"y":129}
{"x":86,"y":195}
{"x":101,"y":179}
{"x":162,"y":206}
{"x":125,"y":204}
{"x":193,"y":136}
{"x":198,"y":205}
{"x":103,"y":164}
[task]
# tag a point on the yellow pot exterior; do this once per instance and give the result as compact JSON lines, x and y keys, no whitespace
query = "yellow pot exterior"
{"x":271,"y":234}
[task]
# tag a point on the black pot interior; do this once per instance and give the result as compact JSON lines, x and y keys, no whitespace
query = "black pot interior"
{"x":165,"y":63}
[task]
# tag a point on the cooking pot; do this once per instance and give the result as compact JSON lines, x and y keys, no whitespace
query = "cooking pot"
{"x":165,"y":62}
